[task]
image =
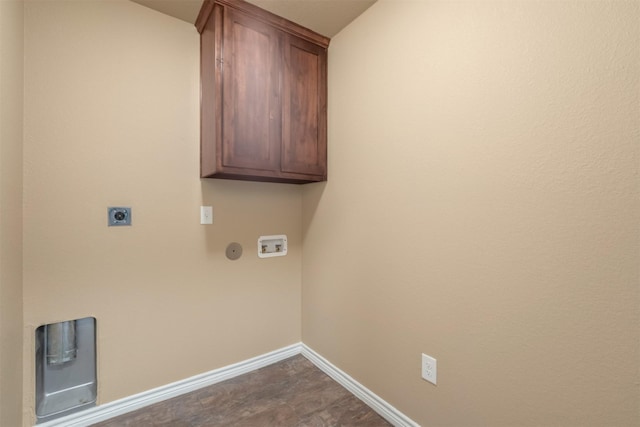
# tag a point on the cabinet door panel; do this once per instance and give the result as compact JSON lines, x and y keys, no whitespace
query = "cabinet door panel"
{"x":304,"y":133}
{"x":251,"y":83}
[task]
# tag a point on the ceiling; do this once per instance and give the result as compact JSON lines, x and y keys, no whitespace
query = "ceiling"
{"x":326,"y":17}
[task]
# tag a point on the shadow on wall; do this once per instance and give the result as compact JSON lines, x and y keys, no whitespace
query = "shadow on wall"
{"x":311,"y":196}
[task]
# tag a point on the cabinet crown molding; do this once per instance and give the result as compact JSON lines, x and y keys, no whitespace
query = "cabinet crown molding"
{"x":264,"y":16}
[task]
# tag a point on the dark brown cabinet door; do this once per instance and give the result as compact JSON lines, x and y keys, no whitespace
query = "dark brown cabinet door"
{"x":304,"y":130}
{"x":251,"y":110}
{"x":263,"y":96}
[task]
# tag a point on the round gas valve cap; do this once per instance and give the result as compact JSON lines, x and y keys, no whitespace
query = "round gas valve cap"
{"x":234,"y":251}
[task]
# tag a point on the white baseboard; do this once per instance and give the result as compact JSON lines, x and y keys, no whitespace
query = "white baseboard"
{"x":138,"y":401}
{"x":376,"y":403}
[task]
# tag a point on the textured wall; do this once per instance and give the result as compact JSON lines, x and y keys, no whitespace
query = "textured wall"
{"x":482,"y":208}
{"x":11,"y":103}
{"x":112,"y":118}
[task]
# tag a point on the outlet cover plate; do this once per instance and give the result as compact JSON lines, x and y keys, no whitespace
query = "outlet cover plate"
{"x":429,"y":369}
{"x":206,"y":214}
{"x":118,"y":216}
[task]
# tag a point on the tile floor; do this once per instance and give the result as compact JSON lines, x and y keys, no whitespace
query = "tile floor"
{"x":292,"y":392}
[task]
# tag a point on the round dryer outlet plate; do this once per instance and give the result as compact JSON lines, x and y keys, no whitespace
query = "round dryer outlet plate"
{"x":234,"y":251}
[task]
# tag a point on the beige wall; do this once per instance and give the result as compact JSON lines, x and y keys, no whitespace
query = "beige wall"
{"x":11,"y":104}
{"x":112,"y":118}
{"x":482,"y":208}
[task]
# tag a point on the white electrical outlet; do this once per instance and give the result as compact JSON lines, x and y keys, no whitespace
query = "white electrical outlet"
{"x":206,"y":215}
{"x":429,"y":368}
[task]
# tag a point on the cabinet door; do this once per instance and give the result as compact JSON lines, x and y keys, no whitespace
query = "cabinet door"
{"x":251,"y":111}
{"x":304,"y":130}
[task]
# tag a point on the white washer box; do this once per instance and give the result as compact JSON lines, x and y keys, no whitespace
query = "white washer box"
{"x":270,"y":246}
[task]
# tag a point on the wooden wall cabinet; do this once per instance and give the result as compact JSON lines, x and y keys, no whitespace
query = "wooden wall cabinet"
{"x":263,"y":96}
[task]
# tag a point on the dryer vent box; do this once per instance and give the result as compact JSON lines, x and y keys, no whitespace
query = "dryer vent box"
{"x":270,"y":246}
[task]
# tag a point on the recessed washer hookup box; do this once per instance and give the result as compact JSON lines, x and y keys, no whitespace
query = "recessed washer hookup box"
{"x":270,"y":246}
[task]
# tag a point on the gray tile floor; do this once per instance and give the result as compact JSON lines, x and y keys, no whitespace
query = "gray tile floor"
{"x":292,"y":392}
